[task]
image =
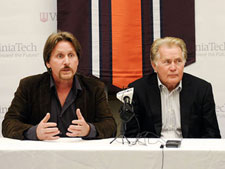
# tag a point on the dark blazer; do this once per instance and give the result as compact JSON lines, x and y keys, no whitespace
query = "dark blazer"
{"x":197,"y":108}
{"x":32,"y":101}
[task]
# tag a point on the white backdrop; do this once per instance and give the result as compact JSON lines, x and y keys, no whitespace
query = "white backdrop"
{"x":26,"y":24}
{"x":210,"y":51}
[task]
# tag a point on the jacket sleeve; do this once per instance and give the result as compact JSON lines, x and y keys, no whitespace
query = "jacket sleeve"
{"x":211,"y":128}
{"x":14,"y":123}
{"x":104,"y":122}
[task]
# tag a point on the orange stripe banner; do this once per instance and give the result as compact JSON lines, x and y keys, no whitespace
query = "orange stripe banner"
{"x":126,"y":42}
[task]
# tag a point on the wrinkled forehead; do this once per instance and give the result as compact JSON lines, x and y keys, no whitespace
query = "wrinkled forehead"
{"x":170,"y":51}
{"x":64,"y":46}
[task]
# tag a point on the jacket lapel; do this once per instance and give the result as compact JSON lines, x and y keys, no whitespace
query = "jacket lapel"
{"x":80,"y":98}
{"x":155,"y":103}
{"x":45,"y":94}
{"x":185,"y":102}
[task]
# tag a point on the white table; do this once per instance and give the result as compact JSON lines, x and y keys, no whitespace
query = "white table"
{"x":69,"y":153}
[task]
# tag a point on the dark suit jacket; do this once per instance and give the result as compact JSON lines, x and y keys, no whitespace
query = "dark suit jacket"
{"x":32,"y":102}
{"x":197,"y":108}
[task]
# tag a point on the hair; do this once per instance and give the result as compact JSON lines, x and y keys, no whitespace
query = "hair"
{"x":52,"y":41}
{"x":170,"y":41}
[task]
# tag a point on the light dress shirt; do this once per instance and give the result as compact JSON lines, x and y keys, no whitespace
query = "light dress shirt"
{"x":170,"y":104}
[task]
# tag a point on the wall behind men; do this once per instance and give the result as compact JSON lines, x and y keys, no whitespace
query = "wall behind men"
{"x":210,"y":51}
{"x":26,"y":24}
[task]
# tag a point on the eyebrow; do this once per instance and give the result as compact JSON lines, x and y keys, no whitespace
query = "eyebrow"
{"x":62,"y":51}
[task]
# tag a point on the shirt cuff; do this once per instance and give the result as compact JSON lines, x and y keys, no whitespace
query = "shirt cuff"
{"x":30,"y":134}
{"x":92,"y":133}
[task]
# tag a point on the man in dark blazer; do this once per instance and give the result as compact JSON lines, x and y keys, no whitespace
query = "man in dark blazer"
{"x":170,"y":103}
{"x":60,"y":102}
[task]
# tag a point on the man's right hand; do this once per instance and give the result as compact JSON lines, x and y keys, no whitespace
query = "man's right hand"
{"x":47,"y":130}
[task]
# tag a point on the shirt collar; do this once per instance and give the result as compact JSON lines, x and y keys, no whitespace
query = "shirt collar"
{"x":76,"y":84}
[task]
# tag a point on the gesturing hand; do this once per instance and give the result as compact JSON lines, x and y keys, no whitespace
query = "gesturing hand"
{"x":47,"y":130}
{"x":78,"y":127}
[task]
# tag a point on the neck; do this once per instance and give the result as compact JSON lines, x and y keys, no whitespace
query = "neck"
{"x":171,"y":88}
{"x":63,"y":88}
{"x":64,"y":84}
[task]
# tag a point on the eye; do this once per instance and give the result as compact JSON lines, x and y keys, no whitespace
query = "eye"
{"x":59,"y":56}
{"x":71,"y":55}
{"x":167,"y":62}
{"x":179,"y":61}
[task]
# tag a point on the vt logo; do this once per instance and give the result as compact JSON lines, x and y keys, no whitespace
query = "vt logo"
{"x":46,"y":16}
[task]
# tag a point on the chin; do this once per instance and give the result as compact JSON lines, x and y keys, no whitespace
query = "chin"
{"x":66,"y":77}
{"x":174,"y":83}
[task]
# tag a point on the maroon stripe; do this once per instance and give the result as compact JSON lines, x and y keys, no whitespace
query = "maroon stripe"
{"x":105,"y":28}
{"x":75,"y":17}
{"x":105,"y":41}
{"x":147,"y":34}
{"x":178,"y":19}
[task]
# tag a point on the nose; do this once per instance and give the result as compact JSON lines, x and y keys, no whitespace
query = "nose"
{"x":173,"y":66}
{"x":66,"y":60}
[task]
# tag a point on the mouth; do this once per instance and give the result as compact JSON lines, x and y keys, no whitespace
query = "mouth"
{"x":66,"y":69}
{"x":173,"y":75}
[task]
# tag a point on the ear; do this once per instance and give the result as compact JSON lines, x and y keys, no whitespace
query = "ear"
{"x":48,"y":65}
{"x":154,"y":66}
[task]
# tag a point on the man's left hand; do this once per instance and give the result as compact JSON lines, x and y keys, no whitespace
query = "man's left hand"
{"x":79,"y":127}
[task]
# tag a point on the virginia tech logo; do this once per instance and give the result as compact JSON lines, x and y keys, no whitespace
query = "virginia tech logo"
{"x":48,"y":16}
{"x":44,"y":16}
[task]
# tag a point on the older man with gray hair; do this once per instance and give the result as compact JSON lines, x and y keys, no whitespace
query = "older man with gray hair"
{"x":170,"y":103}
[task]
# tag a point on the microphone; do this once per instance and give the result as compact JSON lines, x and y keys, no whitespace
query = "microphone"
{"x":126,"y":111}
{"x":126,"y":95}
